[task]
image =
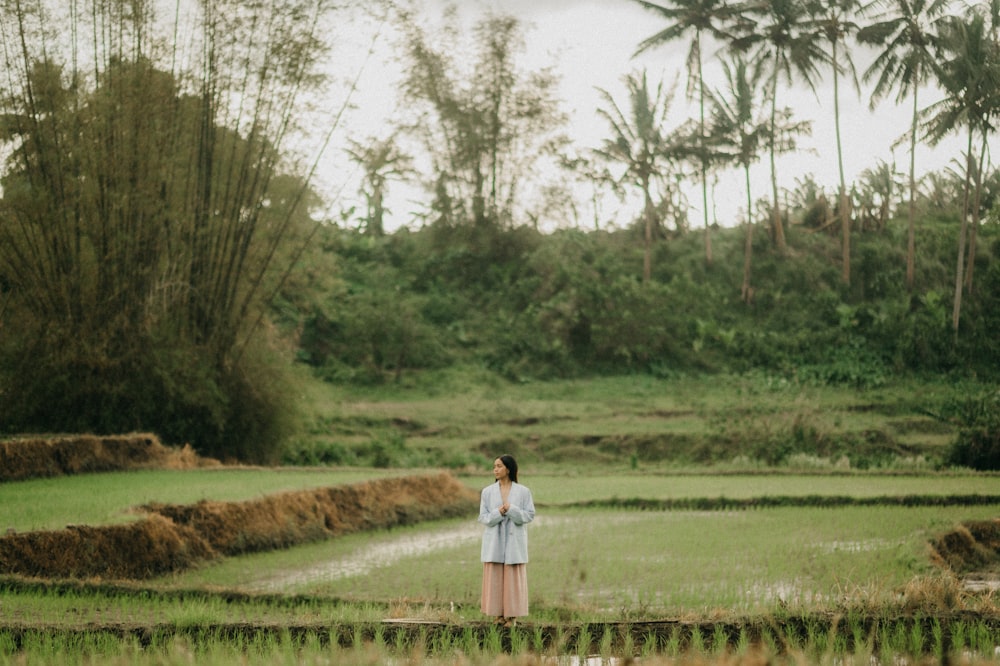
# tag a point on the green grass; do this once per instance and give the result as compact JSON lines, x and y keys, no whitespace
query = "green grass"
{"x":444,"y":650}
{"x":68,"y":606}
{"x":461,"y":416}
{"x":98,"y":499}
{"x":576,"y":486}
{"x":110,"y":498}
{"x":589,"y":565}
{"x":614,"y":564}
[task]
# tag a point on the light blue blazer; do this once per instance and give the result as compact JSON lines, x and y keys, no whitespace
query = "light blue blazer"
{"x":505,"y":538}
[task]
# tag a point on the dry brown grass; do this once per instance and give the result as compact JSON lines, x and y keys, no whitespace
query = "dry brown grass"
{"x":285,"y":519}
{"x":174,"y":537}
{"x":972,"y":546}
{"x":146,"y":548}
{"x":27,"y":458}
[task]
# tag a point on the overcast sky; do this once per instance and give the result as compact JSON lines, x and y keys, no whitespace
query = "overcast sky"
{"x":591,"y":44}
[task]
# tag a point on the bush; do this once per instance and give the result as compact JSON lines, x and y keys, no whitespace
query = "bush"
{"x":851,"y":364}
{"x":977,"y":444}
{"x":235,"y":410}
{"x":374,"y":330}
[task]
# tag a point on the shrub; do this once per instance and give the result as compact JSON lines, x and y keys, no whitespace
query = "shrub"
{"x":179,"y":391}
{"x":977,"y":444}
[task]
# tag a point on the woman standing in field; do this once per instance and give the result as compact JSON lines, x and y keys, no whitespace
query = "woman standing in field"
{"x":505,"y":508}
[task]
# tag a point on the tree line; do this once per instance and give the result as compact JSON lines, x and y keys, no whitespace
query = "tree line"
{"x":475,"y":124}
{"x":534,"y":306}
{"x":158,"y":235}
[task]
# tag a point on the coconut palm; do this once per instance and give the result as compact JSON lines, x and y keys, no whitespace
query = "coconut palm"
{"x":736,"y":126}
{"x":875,"y":193}
{"x":834,"y":22}
{"x":741,"y":129}
{"x":967,"y":68}
{"x":785,"y":35}
{"x":702,"y":17}
{"x":641,"y":144}
{"x":991,"y":11}
{"x":905,"y":32}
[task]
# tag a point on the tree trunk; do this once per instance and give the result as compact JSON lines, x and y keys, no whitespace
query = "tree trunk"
{"x":911,"y":234}
{"x":970,"y":263}
{"x":376,"y":213}
{"x":704,"y":167}
{"x":746,"y":291}
{"x":776,"y":226}
{"x":845,"y":212}
{"x":648,"y":214}
{"x":959,"y":270}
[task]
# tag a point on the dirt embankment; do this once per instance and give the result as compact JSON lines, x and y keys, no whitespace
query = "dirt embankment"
{"x":29,"y":458}
{"x":974,"y":546}
{"x":175,"y":537}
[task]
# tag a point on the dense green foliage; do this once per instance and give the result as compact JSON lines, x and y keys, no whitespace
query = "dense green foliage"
{"x":147,"y":225}
{"x":145,"y":216}
{"x":531,"y":305}
{"x":978,"y":442}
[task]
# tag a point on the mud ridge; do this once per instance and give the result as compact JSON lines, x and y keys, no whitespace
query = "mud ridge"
{"x":175,"y":537}
{"x":771,"y":501}
{"x":37,"y":457}
{"x":973,"y":546}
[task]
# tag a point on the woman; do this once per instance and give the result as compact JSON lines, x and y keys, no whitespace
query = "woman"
{"x":505,"y":508}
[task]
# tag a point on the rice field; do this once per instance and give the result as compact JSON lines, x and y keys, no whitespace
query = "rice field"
{"x":603,"y":564}
{"x":569,"y":488}
{"x":784,"y":584}
{"x":109,"y":498}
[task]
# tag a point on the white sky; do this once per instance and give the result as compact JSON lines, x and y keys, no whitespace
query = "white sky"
{"x":591,"y":44}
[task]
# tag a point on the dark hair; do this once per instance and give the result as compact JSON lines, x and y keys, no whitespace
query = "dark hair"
{"x":511,"y":465}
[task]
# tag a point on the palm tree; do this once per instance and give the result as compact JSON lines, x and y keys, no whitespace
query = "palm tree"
{"x":967,"y":68}
{"x":785,"y":35}
{"x":905,"y":31}
{"x":876,"y":188}
{"x":640,"y":143}
{"x":740,"y":130}
{"x":735,"y":125}
{"x":700,"y":17}
{"x":991,"y":11}
{"x":834,"y":20}
{"x":941,"y":191}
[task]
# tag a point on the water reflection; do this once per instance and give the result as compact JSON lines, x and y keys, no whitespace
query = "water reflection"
{"x":373,"y":556}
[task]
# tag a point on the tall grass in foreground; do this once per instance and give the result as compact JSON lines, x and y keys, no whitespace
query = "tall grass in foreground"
{"x":70,"y":606}
{"x":854,"y":641}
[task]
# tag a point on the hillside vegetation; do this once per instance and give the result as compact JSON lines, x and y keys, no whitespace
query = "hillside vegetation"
{"x":459,"y":314}
{"x":414,"y":308}
{"x":533,"y":306}
{"x":166,"y":253}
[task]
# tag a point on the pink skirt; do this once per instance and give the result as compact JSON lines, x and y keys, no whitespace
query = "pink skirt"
{"x":505,"y":589}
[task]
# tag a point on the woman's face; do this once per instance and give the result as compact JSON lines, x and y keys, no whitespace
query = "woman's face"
{"x":500,"y":470}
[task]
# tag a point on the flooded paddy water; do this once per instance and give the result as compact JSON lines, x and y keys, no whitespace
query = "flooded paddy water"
{"x":384,"y":551}
{"x":659,"y":563}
